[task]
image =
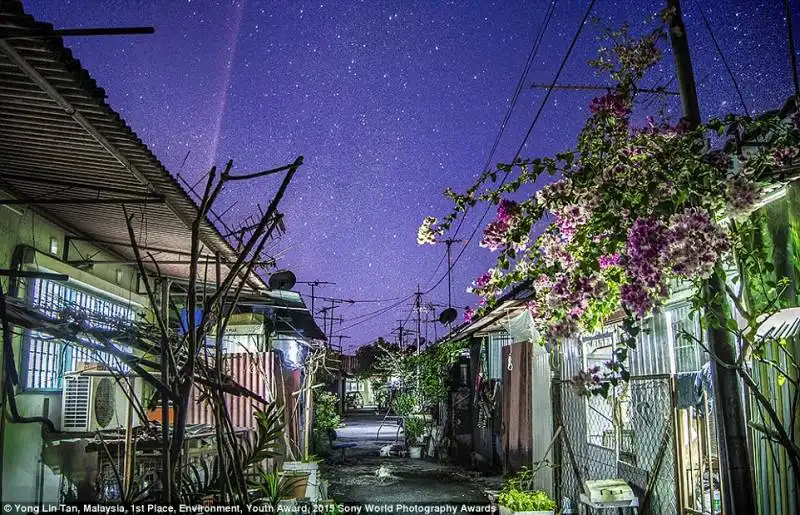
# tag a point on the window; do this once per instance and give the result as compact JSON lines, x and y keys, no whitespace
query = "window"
{"x":600,"y":428}
{"x":48,"y":358}
{"x":354,"y":385}
{"x":689,"y":356}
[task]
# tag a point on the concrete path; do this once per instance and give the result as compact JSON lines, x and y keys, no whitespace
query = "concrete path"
{"x":366,"y":477}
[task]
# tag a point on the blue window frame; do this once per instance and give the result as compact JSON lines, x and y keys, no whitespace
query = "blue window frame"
{"x":46,"y":359}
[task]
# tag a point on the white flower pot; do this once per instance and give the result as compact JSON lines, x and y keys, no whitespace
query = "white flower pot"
{"x":506,"y":511}
{"x":312,"y":469}
{"x":415,"y":452}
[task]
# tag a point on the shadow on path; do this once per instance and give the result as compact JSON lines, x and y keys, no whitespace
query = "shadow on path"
{"x":366,"y":477}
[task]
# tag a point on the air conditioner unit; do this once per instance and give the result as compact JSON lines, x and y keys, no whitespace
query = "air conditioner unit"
{"x":95,"y":401}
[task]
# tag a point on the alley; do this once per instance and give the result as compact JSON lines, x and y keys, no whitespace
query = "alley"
{"x":367,"y":477}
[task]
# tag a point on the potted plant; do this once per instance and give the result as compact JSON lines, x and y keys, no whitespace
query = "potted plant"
{"x":414,"y":428}
{"x":515,"y":501}
{"x":518,"y":496}
{"x":270,"y":488}
{"x":326,"y":419}
{"x":305,"y":476}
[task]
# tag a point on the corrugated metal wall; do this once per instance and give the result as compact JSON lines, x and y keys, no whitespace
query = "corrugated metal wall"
{"x":778,"y":486}
{"x":517,"y":392}
{"x":648,"y":431}
{"x":542,"y":421}
{"x":252,"y":371}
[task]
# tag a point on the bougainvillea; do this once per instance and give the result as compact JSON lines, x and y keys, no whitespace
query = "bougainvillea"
{"x":634,"y":206}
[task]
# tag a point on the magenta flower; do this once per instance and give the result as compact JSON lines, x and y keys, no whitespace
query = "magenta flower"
{"x":742,"y":194}
{"x":494,"y":235}
{"x":637,"y":299}
{"x":507,"y":210}
{"x":696,"y":243}
{"x":646,"y":251}
{"x":609,"y":260}
{"x":785,"y":156}
{"x":483,"y":279}
{"x":613,"y":104}
{"x":469,"y":314}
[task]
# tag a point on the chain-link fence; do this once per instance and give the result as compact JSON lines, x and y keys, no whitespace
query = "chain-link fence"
{"x":631,"y":438}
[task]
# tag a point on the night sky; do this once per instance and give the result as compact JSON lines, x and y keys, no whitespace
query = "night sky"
{"x":389,"y":102}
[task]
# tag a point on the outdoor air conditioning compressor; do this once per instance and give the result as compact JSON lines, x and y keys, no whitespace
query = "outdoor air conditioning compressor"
{"x":95,"y":401}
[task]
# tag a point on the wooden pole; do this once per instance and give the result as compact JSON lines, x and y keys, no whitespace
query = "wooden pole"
{"x":735,"y":463}
{"x":166,"y":462}
{"x":130,"y":447}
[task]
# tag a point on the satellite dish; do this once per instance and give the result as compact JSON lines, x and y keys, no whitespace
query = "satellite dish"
{"x":283,"y":280}
{"x":448,"y":316}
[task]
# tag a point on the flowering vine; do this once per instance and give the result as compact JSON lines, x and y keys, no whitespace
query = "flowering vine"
{"x":632,"y":208}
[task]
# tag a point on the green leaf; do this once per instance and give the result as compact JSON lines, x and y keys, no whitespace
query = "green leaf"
{"x":781,"y":379}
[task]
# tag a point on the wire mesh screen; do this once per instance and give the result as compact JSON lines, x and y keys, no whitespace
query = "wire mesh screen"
{"x":640,"y":450}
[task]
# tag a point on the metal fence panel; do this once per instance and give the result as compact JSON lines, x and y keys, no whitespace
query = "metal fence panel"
{"x":646,"y":457}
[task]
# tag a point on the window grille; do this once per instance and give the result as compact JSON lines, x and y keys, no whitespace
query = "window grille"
{"x":49,"y":358}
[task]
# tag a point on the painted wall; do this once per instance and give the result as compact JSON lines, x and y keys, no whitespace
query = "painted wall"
{"x":25,"y":477}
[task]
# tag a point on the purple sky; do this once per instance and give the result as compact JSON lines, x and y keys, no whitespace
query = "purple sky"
{"x":389,"y":102}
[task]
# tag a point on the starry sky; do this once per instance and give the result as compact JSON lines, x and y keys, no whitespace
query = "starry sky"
{"x":390,"y":102}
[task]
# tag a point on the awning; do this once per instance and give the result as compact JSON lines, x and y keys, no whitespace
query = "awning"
{"x":66,"y":152}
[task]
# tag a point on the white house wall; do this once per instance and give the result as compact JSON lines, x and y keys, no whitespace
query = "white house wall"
{"x":25,"y":479}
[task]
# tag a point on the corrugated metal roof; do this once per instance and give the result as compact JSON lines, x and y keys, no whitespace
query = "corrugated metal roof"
{"x":55,"y":126}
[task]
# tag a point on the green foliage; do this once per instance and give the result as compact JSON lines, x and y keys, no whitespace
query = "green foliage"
{"x":326,"y":416}
{"x":414,"y":428}
{"x":271,"y":487}
{"x":368,"y":356}
{"x":200,"y":480}
{"x":404,"y":404}
{"x":520,"y":500}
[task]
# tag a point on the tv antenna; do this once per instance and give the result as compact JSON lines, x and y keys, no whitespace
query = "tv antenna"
{"x":313,"y":285}
{"x":449,"y":315}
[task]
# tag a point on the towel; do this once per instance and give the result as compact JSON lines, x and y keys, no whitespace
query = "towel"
{"x":688,"y":390}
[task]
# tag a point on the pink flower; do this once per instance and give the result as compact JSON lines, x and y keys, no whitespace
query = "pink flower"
{"x":696,"y":243}
{"x":506,"y":210}
{"x":613,"y":104}
{"x":609,"y":260}
{"x":494,"y":235}
{"x":469,"y":314}
{"x":742,"y":194}
{"x":483,"y":279}
{"x":785,"y":156}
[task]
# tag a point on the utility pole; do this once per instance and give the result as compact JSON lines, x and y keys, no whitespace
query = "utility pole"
{"x":449,"y":242}
{"x":418,"y":308}
{"x":738,"y":496}
{"x":313,"y":285}
{"x":401,"y":331}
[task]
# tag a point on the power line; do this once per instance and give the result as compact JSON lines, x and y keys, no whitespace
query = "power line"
{"x":530,"y":129}
{"x":366,"y":317}
{"x":537,"y":41}
{"x":722,"y":56}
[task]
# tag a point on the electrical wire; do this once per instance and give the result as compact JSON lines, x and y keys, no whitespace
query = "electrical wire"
{"x":722,"y":56}
{"x":543,"y":103}
{"x":792,"y":53}
{"x":537,"y":41}
{"x":536,"y":118}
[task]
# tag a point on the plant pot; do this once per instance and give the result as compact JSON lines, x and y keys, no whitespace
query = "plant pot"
{"x":311,"y":470}
{"x":507,"y":511}
{"x":299,"y":485}
{"x":415,"y":452}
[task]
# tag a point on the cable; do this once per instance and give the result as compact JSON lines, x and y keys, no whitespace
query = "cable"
{"x":530,"y":130}
{"x":537,"y":41}
{"x":722,"y":56}
{"x":792,"y":52}
{"x":374,"y":314}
